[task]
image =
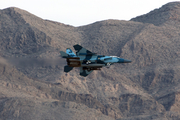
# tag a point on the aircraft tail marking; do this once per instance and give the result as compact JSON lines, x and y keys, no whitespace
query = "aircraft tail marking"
{"x":70,"y":52}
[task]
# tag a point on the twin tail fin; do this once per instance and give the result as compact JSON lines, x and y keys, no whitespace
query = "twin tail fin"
{"x":69,"y":53}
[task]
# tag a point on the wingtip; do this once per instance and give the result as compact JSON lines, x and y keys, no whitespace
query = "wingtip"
{"x":77,"y":47}
{"x":75,"y":44}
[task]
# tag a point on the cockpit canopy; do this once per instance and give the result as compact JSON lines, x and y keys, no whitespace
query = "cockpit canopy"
{"x":114,"y":56}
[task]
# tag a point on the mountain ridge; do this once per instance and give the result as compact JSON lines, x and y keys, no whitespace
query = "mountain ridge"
{"x":164,"y":15}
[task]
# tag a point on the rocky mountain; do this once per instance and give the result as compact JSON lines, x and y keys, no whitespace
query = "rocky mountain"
{"x":167,"y":14}
{"x":34,"y":86}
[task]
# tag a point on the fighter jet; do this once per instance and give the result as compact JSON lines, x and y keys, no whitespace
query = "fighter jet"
{"x":88,"y":61}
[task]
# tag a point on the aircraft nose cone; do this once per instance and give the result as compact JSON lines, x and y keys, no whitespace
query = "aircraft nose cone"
{"x":127,"y":61}
{"x":121,"y":60}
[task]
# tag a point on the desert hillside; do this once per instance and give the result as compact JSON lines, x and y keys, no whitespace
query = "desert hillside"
{"x":33,"y":85}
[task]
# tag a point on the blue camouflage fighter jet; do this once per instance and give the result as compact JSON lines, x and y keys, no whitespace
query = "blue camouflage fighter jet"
{"x":88,"y":61}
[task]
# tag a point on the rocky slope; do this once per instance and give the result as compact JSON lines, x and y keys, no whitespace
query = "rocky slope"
{"x":34,"y":86}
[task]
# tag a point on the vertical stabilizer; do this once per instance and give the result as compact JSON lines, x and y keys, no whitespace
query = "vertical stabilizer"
{"x":64,"y":55}
{"x":70,"y":52}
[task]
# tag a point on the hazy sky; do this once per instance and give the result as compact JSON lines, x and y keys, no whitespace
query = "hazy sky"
{"x":83,"y":12}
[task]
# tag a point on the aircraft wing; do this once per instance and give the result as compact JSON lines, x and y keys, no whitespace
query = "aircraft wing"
{"x":84,"y":72}
{"x":82,"y":51}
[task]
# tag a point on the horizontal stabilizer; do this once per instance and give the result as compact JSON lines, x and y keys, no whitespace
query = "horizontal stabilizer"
{"x":67,"y":68}
{"x":64,"y":55}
